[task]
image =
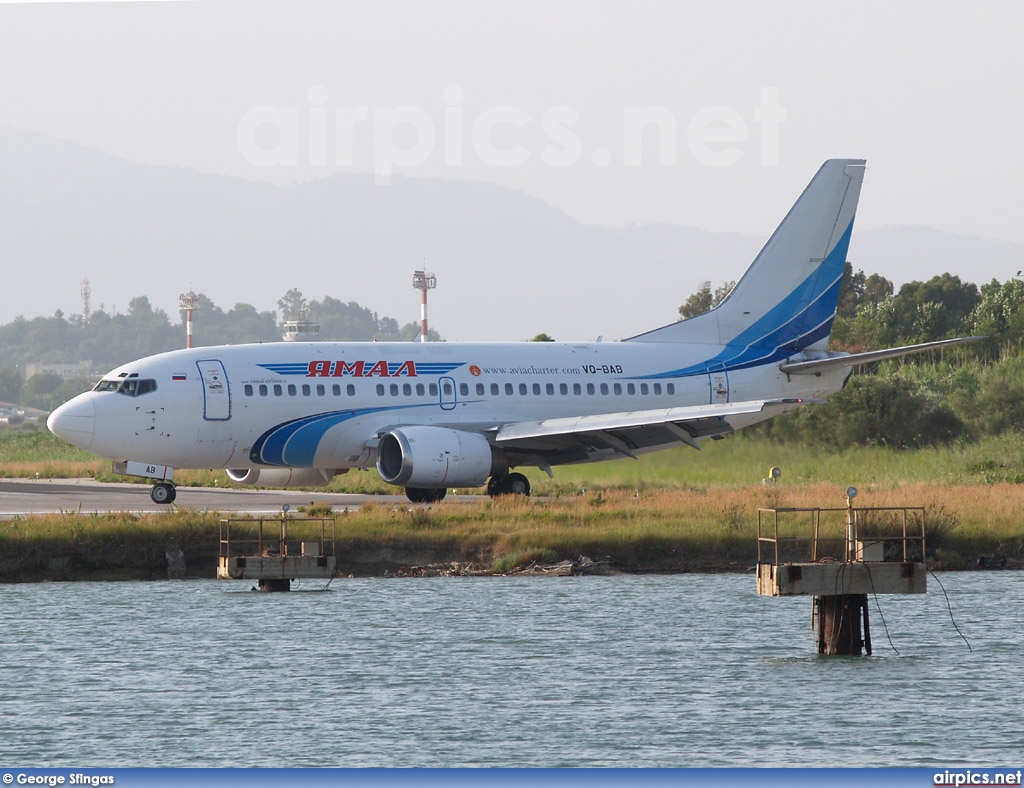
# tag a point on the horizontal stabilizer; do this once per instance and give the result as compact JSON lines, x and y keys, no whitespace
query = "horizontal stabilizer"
{"x":811,"y":363}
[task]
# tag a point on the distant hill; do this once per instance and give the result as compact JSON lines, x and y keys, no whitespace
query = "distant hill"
{"x":508,"y":265}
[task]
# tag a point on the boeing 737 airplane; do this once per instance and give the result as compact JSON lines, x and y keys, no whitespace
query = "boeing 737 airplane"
{"x":439,"y":415}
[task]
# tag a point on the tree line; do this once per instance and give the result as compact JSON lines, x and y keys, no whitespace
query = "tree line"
{"x":872,"y":315}
{"x":964,"y":393}
{"x":107,"y":340}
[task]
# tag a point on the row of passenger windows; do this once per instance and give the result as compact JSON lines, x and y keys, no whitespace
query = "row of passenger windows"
{"x":481,"y":389}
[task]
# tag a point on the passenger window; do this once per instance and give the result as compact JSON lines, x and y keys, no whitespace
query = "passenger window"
{"x":494,"y":390}
{"x":464,"y":389}
{"x":550,"y":388}
{"x":351,"y":390}
{"x":657,"y":388}
{"x":590,"y":388}
{"x":336,"y":390}
{"x":522,"y":389}
{"x":577,"y":389}
{"x":305,"y":390}
{"x":394,"y":389}
{"x":670,"y":388}
{"x":480,"y":390}
{"x":604,"y":388}
{"x":509,"y":390}
{"x":321,"y":390}
{"x":420,"y":390}
{"x":380,"y":389}
{"x":247,"y":389}
{"x":643,"y":389}
{"x":407,"y":389}
{"x":278,"y":391}
{"x":292,"y":390}
{"x":563,"y":389}
{"x":618,"y":389}
{"x":263,"y":389}
{"x":433,"y":389}
{"x":630,"y":388}
{"x":447,"y":389}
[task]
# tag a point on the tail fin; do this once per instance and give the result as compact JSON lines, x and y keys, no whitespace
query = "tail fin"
{"x":787,"y":298}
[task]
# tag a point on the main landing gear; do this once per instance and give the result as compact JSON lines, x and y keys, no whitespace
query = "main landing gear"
{"x":425,"y":494}
{"x":163,"y":492}
{"x":509,"y":484}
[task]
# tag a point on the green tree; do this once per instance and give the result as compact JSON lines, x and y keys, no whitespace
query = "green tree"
{"x":704,"y":300}
{"x":39,"y":389}
{"x":293,"y":305}
{"x":999,"y":314}
{"x":953,"y":302}
{"x":873,"y":410}
{"x":10,"y":385}
{"x":542,"y":338}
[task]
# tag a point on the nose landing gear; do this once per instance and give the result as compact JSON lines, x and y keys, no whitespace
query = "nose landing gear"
{"x":163,"y":493}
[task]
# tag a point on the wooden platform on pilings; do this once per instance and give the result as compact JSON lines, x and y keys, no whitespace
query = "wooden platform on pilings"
{"x":841,"y":577}
{"x":839,"y":557}
{"x":274,"y":552}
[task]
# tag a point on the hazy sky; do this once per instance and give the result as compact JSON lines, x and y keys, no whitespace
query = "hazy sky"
{"x":709,"y":114}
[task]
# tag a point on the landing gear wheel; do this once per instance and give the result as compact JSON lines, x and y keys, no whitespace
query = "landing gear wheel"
{"x":163,"y":493}
{"x":517,"y":484}
{"x":425,"y":494}
{"x":510,"y":484}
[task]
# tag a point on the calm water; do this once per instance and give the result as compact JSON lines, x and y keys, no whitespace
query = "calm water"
{"x":683,"y":670}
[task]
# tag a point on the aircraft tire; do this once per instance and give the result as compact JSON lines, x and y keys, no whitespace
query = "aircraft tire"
{"x":509,"y":484}
{"x":425,"y":494}
{"x":517,"y":484}
{"x":163,"y":493}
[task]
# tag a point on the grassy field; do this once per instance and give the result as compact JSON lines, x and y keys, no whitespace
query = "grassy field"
{"x":671,"y":511}
{"x":738,"y":461}
{"x":652,"y":530}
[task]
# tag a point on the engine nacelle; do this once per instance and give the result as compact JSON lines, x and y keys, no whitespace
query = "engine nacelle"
{"x":433,"y":457}
{"x":282,"y":477}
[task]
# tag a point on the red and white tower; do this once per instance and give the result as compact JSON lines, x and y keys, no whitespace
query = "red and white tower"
{"x":423,"y":281}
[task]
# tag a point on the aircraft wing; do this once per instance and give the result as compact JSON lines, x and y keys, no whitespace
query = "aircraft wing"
{"x":583,"y":438}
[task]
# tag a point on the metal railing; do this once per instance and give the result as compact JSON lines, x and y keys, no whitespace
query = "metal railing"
{"x":895,"y":533}
{"x":309,"y":537}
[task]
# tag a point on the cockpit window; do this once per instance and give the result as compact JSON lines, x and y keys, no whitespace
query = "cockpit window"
{"x":130,"y":387}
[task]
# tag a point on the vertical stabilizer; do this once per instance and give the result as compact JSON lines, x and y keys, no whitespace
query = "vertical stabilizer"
{"x":787,"y":298}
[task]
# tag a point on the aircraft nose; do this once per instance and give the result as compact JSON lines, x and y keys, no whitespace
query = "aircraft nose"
{"x":74,"y":421}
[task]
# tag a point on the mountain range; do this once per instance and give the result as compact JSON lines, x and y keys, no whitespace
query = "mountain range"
{"x":508,"y":265}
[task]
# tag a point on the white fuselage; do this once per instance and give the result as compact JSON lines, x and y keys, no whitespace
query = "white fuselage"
{"x":219,"y":407}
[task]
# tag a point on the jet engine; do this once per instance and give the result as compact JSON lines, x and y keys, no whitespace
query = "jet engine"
{"x":432,"y":457}
{"x":282,"y":477}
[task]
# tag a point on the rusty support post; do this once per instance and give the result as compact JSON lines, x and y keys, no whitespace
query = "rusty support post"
{"x":839,"y":624}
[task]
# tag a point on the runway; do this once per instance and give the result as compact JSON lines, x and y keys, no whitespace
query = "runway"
{"x":22,"y":497}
